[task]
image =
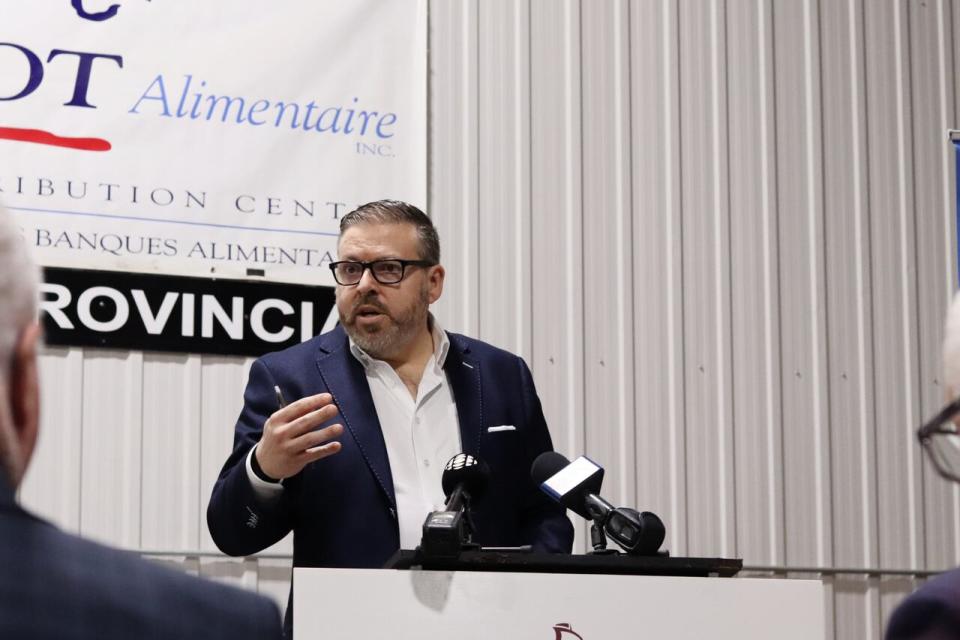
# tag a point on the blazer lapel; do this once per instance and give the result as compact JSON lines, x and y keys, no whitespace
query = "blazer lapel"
{"x":463,"y":373}
{"x":344,"y":377}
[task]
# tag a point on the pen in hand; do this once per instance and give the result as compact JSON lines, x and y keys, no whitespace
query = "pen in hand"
{"x":281,"y":403}
{"x":290,"y":442}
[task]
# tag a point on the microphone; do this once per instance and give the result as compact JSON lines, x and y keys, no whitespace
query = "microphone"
{"x":447,"y":532}
{"x":576,"y":485}
{"x":464,"y":478}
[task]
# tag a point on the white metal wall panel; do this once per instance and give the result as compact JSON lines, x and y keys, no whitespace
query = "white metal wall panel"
{"x":846,"y":252}
{"x":932,"y":95}
{"x":170,"y":471}
{"x":802,"y":313}
{"x":557,"y":218}
{"x":238,"y":572}
{"x":722,"y":234}
{"x":453,"y":153}
{"x":607,"y":248}
{"x":222,"y":380}
{"x":273,"y":579}
{"x":803,"y":346}
{"x":754,"y":284}
{"x":659,"y":392}
{"x":111,"y":449}
{"x":503,"y":232}
{"x":705,"y":217}
{"x":52,"y":485}
{"x":848,"y":294}
{"x":557,"y":221}
{"x":893,"y":252}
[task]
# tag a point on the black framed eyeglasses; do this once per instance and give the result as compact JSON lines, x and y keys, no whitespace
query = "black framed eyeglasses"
{"x":941,"y":441}
{"x":349,"y":273}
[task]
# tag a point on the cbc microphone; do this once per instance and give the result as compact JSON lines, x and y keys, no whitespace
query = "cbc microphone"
{"x":447,"y":532}
{"x":576,"y":485}
{"x":464,"y":479}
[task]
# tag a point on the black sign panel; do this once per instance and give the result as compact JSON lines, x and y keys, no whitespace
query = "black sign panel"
{"x":121,"y":310}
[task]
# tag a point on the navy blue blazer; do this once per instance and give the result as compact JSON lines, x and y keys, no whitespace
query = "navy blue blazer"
{"x":55,"y":586}
{"x":342,"y":509}
{"x":932,"y":612}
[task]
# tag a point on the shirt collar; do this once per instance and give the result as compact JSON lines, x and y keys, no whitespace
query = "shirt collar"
{"x":441,"y":346}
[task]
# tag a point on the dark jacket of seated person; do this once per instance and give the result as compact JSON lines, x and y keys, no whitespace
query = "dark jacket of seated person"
{"x":932,"y":612}
{"x":57,"y":586}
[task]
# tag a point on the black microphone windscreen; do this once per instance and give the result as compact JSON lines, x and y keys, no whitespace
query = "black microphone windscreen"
{"x":468,"y":471}
{"x":547,"y":465}
{"x":652,"y":532}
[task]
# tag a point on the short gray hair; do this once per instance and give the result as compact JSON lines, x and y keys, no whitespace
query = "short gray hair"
{"x":397,"y":212}
{"x":19,"y":283}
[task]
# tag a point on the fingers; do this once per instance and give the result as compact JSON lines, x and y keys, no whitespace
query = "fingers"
{"x":302,"y":407}
{"x":315,"y":440}
{"x":291,"y":439}
{"x":302,"y":416}
{"x":307,"y":423}
{"x":316,"y":453}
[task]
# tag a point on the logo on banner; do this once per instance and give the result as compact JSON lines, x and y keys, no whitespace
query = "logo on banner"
{"x":164,"y":137}
{"x":185,"y":97}
{"x":98,"y":16}
{"x":86,"y":61}
{"x":564,"y":631}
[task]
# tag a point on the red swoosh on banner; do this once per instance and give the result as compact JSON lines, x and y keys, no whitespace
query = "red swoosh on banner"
{"x":39,"y":136}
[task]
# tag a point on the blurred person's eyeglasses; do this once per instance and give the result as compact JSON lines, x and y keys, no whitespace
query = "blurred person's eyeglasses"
{"x":941,"y":440}
{"x":349,"y":273}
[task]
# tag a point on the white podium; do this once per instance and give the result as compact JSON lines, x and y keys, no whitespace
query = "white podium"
{"x":390,"y":603}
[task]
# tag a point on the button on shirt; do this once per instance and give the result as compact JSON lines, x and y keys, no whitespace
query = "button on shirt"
{"x":420,"y":435}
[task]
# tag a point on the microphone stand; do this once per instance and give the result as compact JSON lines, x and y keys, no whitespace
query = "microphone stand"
{"x":599,"y":539}
{"x":446,"y":533}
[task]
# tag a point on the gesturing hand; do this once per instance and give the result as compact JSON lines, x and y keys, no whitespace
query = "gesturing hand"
{"x":289,"y":441}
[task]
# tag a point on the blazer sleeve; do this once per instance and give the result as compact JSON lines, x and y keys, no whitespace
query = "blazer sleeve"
{"x":544,"y":521}
{"x":240,"y":522}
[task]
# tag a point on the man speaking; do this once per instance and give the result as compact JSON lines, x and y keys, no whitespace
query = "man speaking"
{"x":353,"y":464}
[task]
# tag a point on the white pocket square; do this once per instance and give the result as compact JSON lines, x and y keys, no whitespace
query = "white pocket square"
{"x":503,"y":427}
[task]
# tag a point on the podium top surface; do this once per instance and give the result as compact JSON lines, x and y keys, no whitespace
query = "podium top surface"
{"x":563,"y":563}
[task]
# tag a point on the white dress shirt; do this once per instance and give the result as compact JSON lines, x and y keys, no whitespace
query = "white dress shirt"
{"x":420,"y":435}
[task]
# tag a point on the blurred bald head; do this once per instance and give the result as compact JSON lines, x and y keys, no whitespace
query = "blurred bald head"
{"x":19,"y":335}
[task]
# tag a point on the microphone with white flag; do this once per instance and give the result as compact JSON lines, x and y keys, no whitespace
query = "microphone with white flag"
{"x":576,"y":485}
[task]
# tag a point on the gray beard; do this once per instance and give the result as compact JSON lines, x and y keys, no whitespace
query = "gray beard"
{"x":384,"y":343}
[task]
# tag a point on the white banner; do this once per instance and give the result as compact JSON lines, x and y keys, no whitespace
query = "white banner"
{"x":207,"y":138}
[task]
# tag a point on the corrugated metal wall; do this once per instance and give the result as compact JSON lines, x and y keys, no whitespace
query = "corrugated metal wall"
{"x":721,"y":232}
